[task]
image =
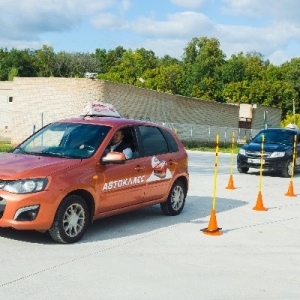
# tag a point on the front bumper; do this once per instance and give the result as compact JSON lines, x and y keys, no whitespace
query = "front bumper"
{"x":277,"y":163}
{"x":10,"y":204}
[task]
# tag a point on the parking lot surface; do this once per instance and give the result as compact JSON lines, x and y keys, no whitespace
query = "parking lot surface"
{"x":146,"y":255}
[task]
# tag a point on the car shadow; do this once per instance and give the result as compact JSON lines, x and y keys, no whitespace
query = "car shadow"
{"x":141,"y":221}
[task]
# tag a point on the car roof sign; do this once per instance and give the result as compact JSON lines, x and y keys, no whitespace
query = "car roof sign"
{"x":100,"y":109}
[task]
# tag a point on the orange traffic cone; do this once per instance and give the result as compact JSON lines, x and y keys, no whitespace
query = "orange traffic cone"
{"x":290,"y":191}
{"x":230,"y":185}
{"x":212,"y":228}
{"x":259,"y":203}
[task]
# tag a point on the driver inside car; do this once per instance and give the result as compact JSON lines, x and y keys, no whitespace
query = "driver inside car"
{"x":117,"y":144}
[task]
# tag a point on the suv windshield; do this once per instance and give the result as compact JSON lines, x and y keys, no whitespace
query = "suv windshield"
{"x":275,"y":137}
{"x":65,"y":140}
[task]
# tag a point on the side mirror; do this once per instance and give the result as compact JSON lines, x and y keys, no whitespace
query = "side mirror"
{"x":113,"y":158}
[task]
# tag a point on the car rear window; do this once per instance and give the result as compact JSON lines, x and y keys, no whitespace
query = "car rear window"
{"x":153,"y":140}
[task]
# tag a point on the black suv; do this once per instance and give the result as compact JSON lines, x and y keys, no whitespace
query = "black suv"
{"x":278,"y":151}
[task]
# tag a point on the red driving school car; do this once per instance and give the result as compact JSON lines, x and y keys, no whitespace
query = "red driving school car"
{"x":68,"y":173}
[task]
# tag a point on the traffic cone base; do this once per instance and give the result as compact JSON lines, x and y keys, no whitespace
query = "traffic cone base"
{"x":212,"y":228}
{"x":290,"y":191}
{"x":212,"y":232}
{"x":230,"y":184}
{"x":259,"y":203}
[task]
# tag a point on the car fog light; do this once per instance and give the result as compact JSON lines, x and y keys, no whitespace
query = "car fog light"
{"x":28,"y":213}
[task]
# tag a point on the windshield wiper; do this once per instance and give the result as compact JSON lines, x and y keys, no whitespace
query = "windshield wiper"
{"x":54,"y":154}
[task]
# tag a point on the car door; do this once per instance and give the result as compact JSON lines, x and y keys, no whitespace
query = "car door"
{"x":123,"y":184}
{"x":159,"y":162}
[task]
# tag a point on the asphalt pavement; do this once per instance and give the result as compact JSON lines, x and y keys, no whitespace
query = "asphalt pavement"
{"x":146,"y":255}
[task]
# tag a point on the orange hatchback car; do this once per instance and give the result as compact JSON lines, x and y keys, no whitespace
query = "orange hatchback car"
{"x":63,"y":177}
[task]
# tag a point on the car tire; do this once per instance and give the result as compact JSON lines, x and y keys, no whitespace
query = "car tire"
{"x":287,"y":169}
{"x":70,"y":221}
{"x":176,"y":199}
{"x":242,"y":169}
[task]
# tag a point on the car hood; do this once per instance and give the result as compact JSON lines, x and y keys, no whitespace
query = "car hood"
{"x":267,"y":147}
{"x":17,"y":166}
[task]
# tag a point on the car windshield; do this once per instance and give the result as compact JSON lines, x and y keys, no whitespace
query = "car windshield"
{"x":68,"y":140}
{"x":275,"y":137}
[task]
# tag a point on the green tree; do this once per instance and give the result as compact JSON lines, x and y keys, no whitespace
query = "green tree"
{"x":12,"y":73}
{"x":233,"y":70}
{"x":133,"y":65}
{"x":202,"y":59}
{"x":109,"y":59}
{"x":291,"y":119}
{"x":44,"y":61}
{"x":291,"y":73}
{"x":16,"y":63}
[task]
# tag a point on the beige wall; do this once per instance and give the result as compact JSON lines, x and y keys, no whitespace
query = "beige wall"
{"x":38,"y":101}
{"x":5,"y":108}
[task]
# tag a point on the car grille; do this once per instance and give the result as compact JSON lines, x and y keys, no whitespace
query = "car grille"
{"x":2,"y":206}
{"x":257,"y":154}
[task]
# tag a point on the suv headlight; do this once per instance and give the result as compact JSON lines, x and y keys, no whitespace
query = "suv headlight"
{"x":277,"y":154}
{"x":25,"y":186}
{"x":242,"y":151}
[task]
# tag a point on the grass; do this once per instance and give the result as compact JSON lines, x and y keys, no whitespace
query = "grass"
{"x":4,"y":147}
{"x":211,"y":148}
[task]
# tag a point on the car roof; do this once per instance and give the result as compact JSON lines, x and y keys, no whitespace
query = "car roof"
{"x":108,"y":121}
{"x":281,"y":129}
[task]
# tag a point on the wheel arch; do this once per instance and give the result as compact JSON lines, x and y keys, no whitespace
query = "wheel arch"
{"x":88,"y":198}
{"x":184,"y":180}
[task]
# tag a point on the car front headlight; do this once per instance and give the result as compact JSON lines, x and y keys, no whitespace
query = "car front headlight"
{"x":25,"y":186}
{"x":242,"y":151}
{"x":277,"y":154}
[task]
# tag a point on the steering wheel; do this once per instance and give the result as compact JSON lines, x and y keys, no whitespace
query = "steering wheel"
{"x":89,"y":147}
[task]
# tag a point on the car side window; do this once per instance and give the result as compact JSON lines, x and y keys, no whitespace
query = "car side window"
{"x":171,"y":141}
{"x":153,"y":141}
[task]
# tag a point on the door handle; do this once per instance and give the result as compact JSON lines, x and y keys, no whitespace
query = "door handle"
{"x":139,"y":168}
{"x":170,"y":162}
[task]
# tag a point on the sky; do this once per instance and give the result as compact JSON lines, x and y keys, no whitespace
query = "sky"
{"x":269,"y":27}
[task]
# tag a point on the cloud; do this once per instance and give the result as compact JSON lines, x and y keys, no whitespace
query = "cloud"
{"x":270,"y":38}
{"x":185,"y":24}
{"x":161,"y":47}
{"x":269,"y":27}
{"x":125,"y":5}
{"x":267,"y":9}
{"x":109,"y":21}
{"x":22,"y":19}
{"x":188,"y":4}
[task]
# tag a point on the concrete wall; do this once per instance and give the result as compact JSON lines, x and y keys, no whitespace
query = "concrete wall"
{"x":273,"y":117}
{"x":142,"y":103}
{"x":38,"y":101}
{"x":5,"y":108}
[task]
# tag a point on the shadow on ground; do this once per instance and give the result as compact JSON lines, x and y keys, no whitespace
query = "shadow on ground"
{"x":137,"y":222}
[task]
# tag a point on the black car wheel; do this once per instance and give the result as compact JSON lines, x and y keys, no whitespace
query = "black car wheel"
{"x":71,"y":220}
{"x":243,"y":169}
{"x":287,"y":169}
{"x":176,"y":200}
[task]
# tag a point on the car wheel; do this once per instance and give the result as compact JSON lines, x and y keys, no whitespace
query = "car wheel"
{"x":176,"y":200}
{"x":243,"y":169}
{"x":70,"y":221}
{"x":287,"y":169}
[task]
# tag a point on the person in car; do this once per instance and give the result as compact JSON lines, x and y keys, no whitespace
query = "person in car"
{"x":117,"y":144}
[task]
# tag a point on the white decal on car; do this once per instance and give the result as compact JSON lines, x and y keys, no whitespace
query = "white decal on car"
{"x":123,"y":182}
{"x":160,"y":170}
